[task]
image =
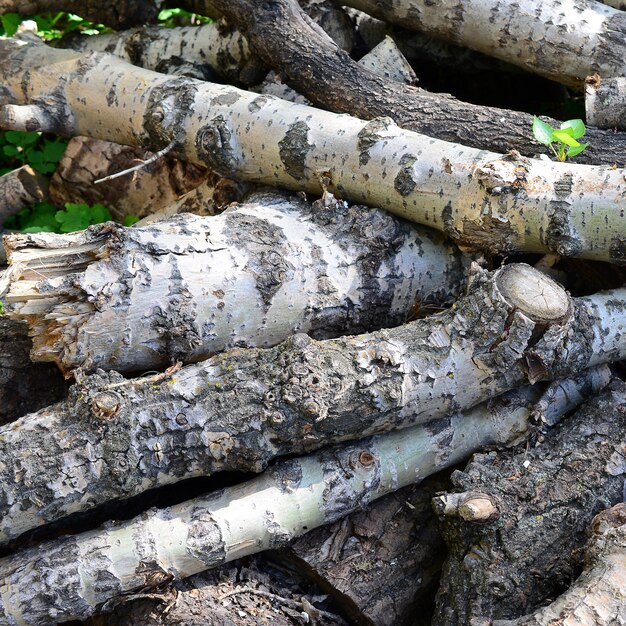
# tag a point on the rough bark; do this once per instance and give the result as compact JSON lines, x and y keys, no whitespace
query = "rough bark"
{"x":146,"y":191}
{"x":114,"y":438}
{"x":120,"y":14}
{"x":479,"y":198}
{"x":183,"y":289}
{"x":281,"y":36}
{"x":565,"y":40}
{"x":599,"y":594}
{"x":72,"y":577}
{"x":546,"y":498}
{"x":21,"y":188}
{"x":24,"y":386}
{"x":605,"y":102}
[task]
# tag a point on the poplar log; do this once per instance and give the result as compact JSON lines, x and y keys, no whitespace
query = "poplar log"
{"x":546,"y":498}
{"x":605,"y":102}
{"x":20,"y":188}
{"x":481,"y":199}
{"x":180,"y":290}
{"x":73,"y":577}
{"x":115,"y":438}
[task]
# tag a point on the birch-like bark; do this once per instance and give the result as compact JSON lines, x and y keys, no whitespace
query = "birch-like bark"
{"x":605,"y":102}
{"x":599,"y":595}
{"x":21,"y":188}
{"x":546,"y":498}
{"x":240,"y":409}
{"x":565,"y":40}
{"x":142,"y":193}
{"x":71,"y":578}
{"x":120,"y":14}
{"x":481,"y":199}
{"x":183,"y":289}
{"x":281,"y":36}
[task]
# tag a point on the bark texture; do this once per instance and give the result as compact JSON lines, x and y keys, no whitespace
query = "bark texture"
{"x":146,"y":191}
{"x":599,"y":594}
{"x":73,"y":577}
{"x":119,"y":14}
{"x":546,"y":498}
{"x":236,"y":411}
{"x":605,"y":102}
{"x":183,"y":289}
{"x":24,"y":386}
{"x":479,"y":198}
{"x":280,"y":35}
{"x":21,"y":188}
{"x":565,"y":40}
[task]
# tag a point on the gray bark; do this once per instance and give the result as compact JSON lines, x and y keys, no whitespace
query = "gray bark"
{"x":236,"y":411}
{"x":71,"y":578}
{"x":189,"y":287}
{"x":546,"y":498}
{"x":605,"y":102}
{"x":21,"y":188}
{"x":481,"y":199}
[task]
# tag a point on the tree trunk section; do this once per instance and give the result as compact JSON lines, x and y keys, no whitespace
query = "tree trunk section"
{"x":20,"y":188}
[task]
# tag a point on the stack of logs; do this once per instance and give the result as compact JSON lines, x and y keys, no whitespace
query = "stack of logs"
{"x":321,"y":316}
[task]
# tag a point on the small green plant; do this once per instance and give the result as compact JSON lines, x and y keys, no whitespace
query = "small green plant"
{"x":44,"y":217}
{"x":51,"y":25}
{"x":39,"y":151}
{"x":564,"y":138}
{"x":180,"y":17}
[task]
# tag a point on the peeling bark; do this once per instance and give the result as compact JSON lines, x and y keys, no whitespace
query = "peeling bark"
{"x":605,"y":102}
{"x":546,"y":498}
{"x":21,"y":188}
{"x":24,"y":386}
{"x":119,"y":14}
{"x":281,"y":36}
{"x":565,"y":40}
{"x":144,"y":192}
{"x":180,"y":290}
{"x":599,"y":594}
{"x":72,"y":577}
{"x":479,"y":198}
{"x":114,"y":438}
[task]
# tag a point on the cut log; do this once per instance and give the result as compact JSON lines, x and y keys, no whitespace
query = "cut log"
{"x":21,"y":188}
{"x":546,"y":498}
{"x":24,"y":386}
{"x":73,"y":577}
{"x":146,"y":191}
{"x":281,"y":36}
{"x":180,"y":290}
{"x":599,"y":594}
{"x":481,"y":199}
{"x":240,"y":409}
{"x":605,"y":102}
{"x":562,"y":40}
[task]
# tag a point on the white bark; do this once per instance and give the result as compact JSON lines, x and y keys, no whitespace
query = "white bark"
{"x":114,"y":438}
{"x":605,"y":102}
{"x":565,"y":40}
{"x":598,"y":597}
{"x":504,"y":203}
{"x":187,"y":288}
{"x":71,"y":578}
{"x":387,"y":60}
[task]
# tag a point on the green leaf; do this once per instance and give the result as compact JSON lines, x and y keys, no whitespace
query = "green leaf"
{"x":542,"y":131}
{"x":10,"y":151}
{"x":21,"y":138}
{"x":577,"y":128}
{"x":576,"y":149}
{"x":129,"y":220}
{"x":53,"y":151}
{"x":564,"y":137}
{"x":10,"y":23}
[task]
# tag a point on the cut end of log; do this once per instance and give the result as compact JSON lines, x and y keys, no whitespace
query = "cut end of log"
{"x":536,"y":295}
{"x":478,"y":508}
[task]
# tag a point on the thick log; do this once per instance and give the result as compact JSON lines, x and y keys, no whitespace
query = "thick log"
{"x":565,"y":40}
{"x":122,"y":14}
{"x":189,"y":287}
{"x":281,"y":36}
{"x":479,"y":198}
{"x":24,"y":386}
{"x":73,"y":577}
{"x":546,"y":498}
{"x":605,"y":102}
{"x":241,"y":408}
{"x":21,"y":188}
{"x":144,"y":192}
{"x":599,"y":594}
